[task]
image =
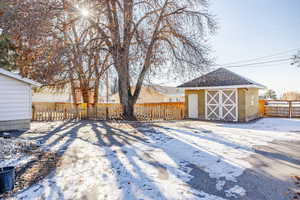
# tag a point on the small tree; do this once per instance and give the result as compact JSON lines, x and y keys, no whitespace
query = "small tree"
{"x":55,"y":45}
{"x":296,"y":59}
{"x":8,"y":53}
{"x":270,"y":94}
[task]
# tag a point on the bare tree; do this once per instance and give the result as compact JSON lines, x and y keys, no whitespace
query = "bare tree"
{"x":64,"y":40}
{"x":270,"y":94}
{"x":291,"y":95}
{"x":56,"y":46}
{"x":146,"y":35}
{"x":28,"y":24}
{"x":296,"y":59}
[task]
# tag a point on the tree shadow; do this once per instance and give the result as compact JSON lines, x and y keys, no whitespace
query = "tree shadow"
{"x":206,"y":135}
{"x":267,"y":124}
{"x":188,"y":163}
{"x":131,"y":149}
{"x":42,"y":168}
{"x":116,"y":137}
{"x":279,"y":150}
{"x":259,"y":183}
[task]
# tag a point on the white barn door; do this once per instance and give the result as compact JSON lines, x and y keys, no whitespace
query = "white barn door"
{"x":212,"y":105}
{"x":193,"y":106}
{"x":221,"y":105}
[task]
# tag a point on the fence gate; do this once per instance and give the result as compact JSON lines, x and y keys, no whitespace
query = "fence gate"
{"x":280,"y":108}
{"x":221,"y":105}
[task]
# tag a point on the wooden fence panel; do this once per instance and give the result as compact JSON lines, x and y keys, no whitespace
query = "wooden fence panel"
{"x":295,"y":111}
{"x":280,"y":108}
{"x":64,"y":111}
{"x":277,"y":111}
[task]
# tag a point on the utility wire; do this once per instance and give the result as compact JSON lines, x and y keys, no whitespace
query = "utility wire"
{"x":260,"y":58}
{"x":259,"y":63}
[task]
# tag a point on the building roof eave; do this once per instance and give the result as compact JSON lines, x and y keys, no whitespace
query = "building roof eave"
{"x":225,"y":87}
{"x":20,"y":78}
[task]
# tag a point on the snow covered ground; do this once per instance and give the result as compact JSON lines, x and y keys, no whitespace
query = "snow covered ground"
{"x":101,"y":160}
{"x":14,"y":152}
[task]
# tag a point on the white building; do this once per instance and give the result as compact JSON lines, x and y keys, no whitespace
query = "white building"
{"x":15,"y":101}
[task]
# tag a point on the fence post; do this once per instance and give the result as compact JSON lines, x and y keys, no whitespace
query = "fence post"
{"x":96,"y":111}
{"x":65,"y":113}
{"x":33,"y":112}
{"x":181,"y":114}
{"x":290,"y":109}
{"x":106,"y":112}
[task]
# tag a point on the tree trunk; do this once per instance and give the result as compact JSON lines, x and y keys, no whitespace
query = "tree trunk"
{"x":85,"y":95}
{"x":74,"y":97}
{"x":85,"y":99}
{"x":96,"y":97}
{"x":128,"y":111}
{"x":96,"y":92}
{"x":126,"y":98}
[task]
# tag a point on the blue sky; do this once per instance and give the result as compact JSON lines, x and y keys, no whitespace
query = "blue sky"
{"x":255,"y":28}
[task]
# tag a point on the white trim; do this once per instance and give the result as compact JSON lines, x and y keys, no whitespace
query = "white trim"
{"x":224,"y":87}
{"x":20,"y":78}
{"x":205,"y":94}
{"x":237,"y":104}
{"x":221,"y":103}
{"x":216,"y":106}
{"x":30,"y":102}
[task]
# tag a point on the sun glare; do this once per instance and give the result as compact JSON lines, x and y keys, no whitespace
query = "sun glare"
{"x":84,"y":12}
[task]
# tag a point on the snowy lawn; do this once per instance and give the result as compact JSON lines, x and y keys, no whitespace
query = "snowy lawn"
{"x":167,"y":160}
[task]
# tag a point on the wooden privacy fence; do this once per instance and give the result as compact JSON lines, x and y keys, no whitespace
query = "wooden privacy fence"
{"x":279,"y":108}
{"x":147,"y":111}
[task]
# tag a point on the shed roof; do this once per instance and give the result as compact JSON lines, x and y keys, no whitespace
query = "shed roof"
{"x":221,"y":78}
{"x":18,"y":77}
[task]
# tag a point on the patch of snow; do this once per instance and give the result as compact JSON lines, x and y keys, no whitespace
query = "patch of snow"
{"x":12,"y":152}
{"x":220,"y":184}
{"x":206,"y":196}
{"x":235,"y":192}
{"x":95,"y":166}
{"x":16,"y":161}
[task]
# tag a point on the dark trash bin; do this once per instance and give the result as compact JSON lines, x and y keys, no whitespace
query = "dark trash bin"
{"x":7,"y":179}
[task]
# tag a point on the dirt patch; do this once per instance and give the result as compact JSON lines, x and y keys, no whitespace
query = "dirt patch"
{"x":296,"y":193}
{"x":41,"y":164}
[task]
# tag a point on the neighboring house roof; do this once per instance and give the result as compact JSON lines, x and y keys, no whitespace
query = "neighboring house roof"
{"x":164,"y":90}
{"x":169,"y":91}
{"x":221,"y":78}
{"x":18,"y":77}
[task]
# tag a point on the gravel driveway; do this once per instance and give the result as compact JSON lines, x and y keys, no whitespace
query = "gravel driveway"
{"x":169,"y":160}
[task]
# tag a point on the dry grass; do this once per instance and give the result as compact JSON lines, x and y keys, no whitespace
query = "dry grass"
{"x":33,"y":171}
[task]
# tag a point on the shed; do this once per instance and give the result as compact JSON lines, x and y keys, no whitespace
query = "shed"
{"x":15,"y":101}
{"x":222,"y":95}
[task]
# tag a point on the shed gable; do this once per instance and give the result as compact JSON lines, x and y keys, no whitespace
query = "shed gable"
{"x":15,"y":99}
